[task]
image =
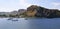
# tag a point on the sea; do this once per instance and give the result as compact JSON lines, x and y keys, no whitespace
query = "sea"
{"x":29,"y":23}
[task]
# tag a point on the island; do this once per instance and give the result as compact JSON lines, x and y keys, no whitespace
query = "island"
{"x":32,"y":12}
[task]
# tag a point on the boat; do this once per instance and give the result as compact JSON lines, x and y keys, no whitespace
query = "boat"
{"x":10,"y":18}
{"x":26,"y":19}
{"x":14,"y":20}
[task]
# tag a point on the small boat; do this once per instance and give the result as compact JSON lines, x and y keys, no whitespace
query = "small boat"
{"x":10,"y":18}
{"x":26,"y":19}
{"x":14,"y":20}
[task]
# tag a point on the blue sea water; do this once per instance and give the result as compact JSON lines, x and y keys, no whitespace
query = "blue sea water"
{"x":30,"y":23}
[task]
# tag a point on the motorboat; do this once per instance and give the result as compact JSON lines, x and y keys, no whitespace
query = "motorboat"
{"x":10,"y":18}
{"x":26,"y":19}
{"x":14,"y":19}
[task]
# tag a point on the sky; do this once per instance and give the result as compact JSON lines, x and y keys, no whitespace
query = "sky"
{"x":11,"y":5}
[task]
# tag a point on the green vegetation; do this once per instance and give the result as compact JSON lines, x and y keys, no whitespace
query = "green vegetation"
{"x":3,"y":15}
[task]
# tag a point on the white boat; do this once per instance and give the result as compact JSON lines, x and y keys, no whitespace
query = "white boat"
{"x":26,"y":18}
{"x":14,"y":19}
{"x":10,"y":18}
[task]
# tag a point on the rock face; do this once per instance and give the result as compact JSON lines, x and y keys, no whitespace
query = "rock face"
{"x":20,"y":11}
{"x":39,"y":11}
{"x":31,"y":11}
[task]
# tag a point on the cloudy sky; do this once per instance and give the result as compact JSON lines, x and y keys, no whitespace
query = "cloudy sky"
{"x":10,"y":5}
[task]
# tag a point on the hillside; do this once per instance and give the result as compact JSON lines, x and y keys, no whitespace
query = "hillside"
{"x":38,"y":11}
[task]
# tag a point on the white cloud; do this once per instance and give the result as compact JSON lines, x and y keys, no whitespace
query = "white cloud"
{"x":7,"y":9}
{"x":25,"y":3}
{"x":11,"y":5}
{"x":56,"y":4}
{"x":4,"y":9}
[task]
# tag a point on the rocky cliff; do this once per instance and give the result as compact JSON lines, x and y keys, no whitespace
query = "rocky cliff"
{"x":38,"y":11}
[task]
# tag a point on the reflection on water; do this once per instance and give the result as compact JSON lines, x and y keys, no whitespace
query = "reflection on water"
{"x":33,"y":23}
